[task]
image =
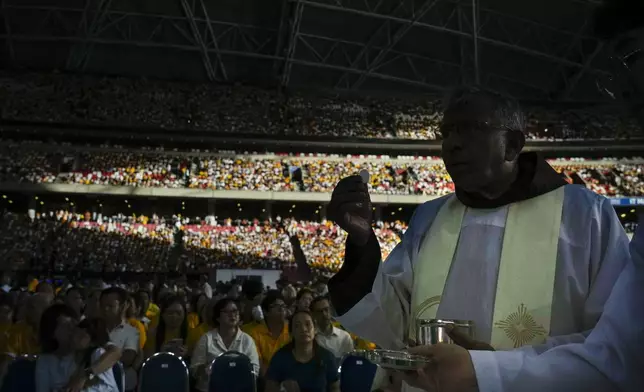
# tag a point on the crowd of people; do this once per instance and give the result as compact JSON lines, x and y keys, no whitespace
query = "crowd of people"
{"x":79,"y":329}
{"x":64,"y":98}
{"x":64,"y":241}
{"x":274,"y":172}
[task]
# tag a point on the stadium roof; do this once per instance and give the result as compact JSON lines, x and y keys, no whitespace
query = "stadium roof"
{"x":537,"y":50}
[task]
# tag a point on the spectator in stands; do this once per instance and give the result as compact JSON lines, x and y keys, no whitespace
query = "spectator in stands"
{"x":130,"y":316}
{"x":251,"y":298}
{"x":196,"y":309}
{"x":304,"y":298}
{"x":113,"y":305}
{"x":334,"y":339}
{"x":142,"y":303}
{"x":205,"y":286}
{"x":303,"y":365}
{"x":23,"y":336}
{"x":271,"y":334}
{"x":171,"y":334}
{"x":6,"y":321}
{"x":70,"y":359}
{"x":74,"y":300}
{"x":226,"y":336}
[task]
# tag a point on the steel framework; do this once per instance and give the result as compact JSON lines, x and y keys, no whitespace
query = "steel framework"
{"x":290,"y":43}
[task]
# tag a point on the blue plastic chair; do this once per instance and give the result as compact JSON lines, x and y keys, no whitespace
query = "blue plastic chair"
{"x":232,"y":371}
{"x":164,"y":372}
{"x":119,"y":376}
{"x":356,"y":374}
{"x":21,"y":375}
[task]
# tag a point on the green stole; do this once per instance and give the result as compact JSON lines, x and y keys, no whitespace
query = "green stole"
{"x":523,"y":302}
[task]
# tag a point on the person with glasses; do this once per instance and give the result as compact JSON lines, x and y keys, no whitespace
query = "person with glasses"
{"x":611,"y":358}
{"x":271,"y":334}
{"x":529,"y":259}
{"x":225,"y":336}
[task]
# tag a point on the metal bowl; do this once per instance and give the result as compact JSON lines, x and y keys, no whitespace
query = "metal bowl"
{"x":393,"y":360}
{"x":434,"y":331}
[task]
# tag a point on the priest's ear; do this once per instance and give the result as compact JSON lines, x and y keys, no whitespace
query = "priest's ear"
{"x":514,"y":142}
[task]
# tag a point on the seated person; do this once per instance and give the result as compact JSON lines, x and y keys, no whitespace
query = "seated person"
{"x":73,"y":357}
{"x":171,"y":334}
{"x":226,"y":336}
{"x":302,"y":365}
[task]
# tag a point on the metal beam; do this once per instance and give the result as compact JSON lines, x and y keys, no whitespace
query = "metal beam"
{"x":295,"y":21}
{"x":7,"y":28}
{"x":383,"y":28}
{"x":461,"y":41}
{"x":99,"y":41}
{"x":400,"y":33}
{"x":572,"y":82}
{"x":205,"y":57}
{"x":447,"y":30}
{"x":475,"y":39}
{"x":220,"y":62}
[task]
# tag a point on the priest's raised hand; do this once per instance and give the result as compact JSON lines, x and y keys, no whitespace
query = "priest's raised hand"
{"x":351,"y":209}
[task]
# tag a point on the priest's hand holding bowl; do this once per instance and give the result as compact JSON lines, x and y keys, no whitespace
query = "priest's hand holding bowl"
{"x":351,"y":209}
{"x":451,"y":369}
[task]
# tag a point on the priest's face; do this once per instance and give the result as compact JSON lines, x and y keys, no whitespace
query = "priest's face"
{"x":475,"y":147}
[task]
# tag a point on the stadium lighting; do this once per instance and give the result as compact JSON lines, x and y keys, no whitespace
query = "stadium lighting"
{"x":42,"y":203}
{"x":399,"y":208}
{"x":36,"y":197}
{"x":71,"y":204}
{"x":623,"y":215}
{"x":633,"y":211}
{"x":10,"y":201}
{"x":67,"y":199}
{"x":125,"y":201}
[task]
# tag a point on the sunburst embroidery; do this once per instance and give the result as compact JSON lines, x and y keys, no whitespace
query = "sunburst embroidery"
{"x":521,"y":327}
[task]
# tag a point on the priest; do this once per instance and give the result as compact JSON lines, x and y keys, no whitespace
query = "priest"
{"x":528,"y":258}
{"x":611,"y":358}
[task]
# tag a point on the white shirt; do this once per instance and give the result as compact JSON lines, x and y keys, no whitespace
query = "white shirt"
{"x":611,"y":358}
{"x":207,"y":290}
{"x":53,"y":373}
{"x":339,"y":342}
{"x":125,"y":337}
{"x":592,"y":252}
{"x":210,"y":346}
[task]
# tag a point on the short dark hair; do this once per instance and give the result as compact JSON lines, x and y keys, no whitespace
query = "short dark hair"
{"x":506,"y":111}
{"x":320,"y":298}
{"x":270,"y":298}
{"x":121,"y":293}
{"x":252,"y":288}
{"x":48,"y":324}
{"x":219,"y":306}
{"x":183,"y":330}
{"x":303,"y":292}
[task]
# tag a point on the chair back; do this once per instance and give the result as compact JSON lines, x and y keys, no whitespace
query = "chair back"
{"x":356,"y":374}
{"x":232,"y":371}
{"x":164,"y":372}
{"x":119,"y":376}
{"x":21,"y":375}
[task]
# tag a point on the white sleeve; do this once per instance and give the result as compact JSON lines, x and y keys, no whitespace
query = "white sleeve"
{"x":388,"y":304}
{"x":132,"y":341}
{"x":610,"y":359}
{"x":200,"y":353}
{"x":42,"y":375}
{"x":107,"y":377}
{"x":251,"y":352}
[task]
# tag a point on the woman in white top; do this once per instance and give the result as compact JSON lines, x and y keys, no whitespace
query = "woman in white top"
{"x":226,"y":336}
{"x":72,"y":357}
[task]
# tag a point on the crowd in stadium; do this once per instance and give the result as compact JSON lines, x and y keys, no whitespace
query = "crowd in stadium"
{"x":65,"y":241}
{"x":319,"y":173}
{"x":142,"y":318}
{"x":64,"y":98}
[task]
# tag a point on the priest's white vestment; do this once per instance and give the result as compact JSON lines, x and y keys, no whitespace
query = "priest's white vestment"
{"x":611,"y":358}
{"x":592,"y":251}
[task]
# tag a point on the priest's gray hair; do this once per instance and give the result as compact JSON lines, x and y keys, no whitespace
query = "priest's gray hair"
{"x":505,"y":112}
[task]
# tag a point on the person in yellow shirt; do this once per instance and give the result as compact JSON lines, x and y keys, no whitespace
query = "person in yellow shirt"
{"x":171,"y":334}
{"x":196,"y":308}
{"x":23,"y":336}
{"x":6,"y":322}
{"x":130,"y":315}
{"x":271,"y":334}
